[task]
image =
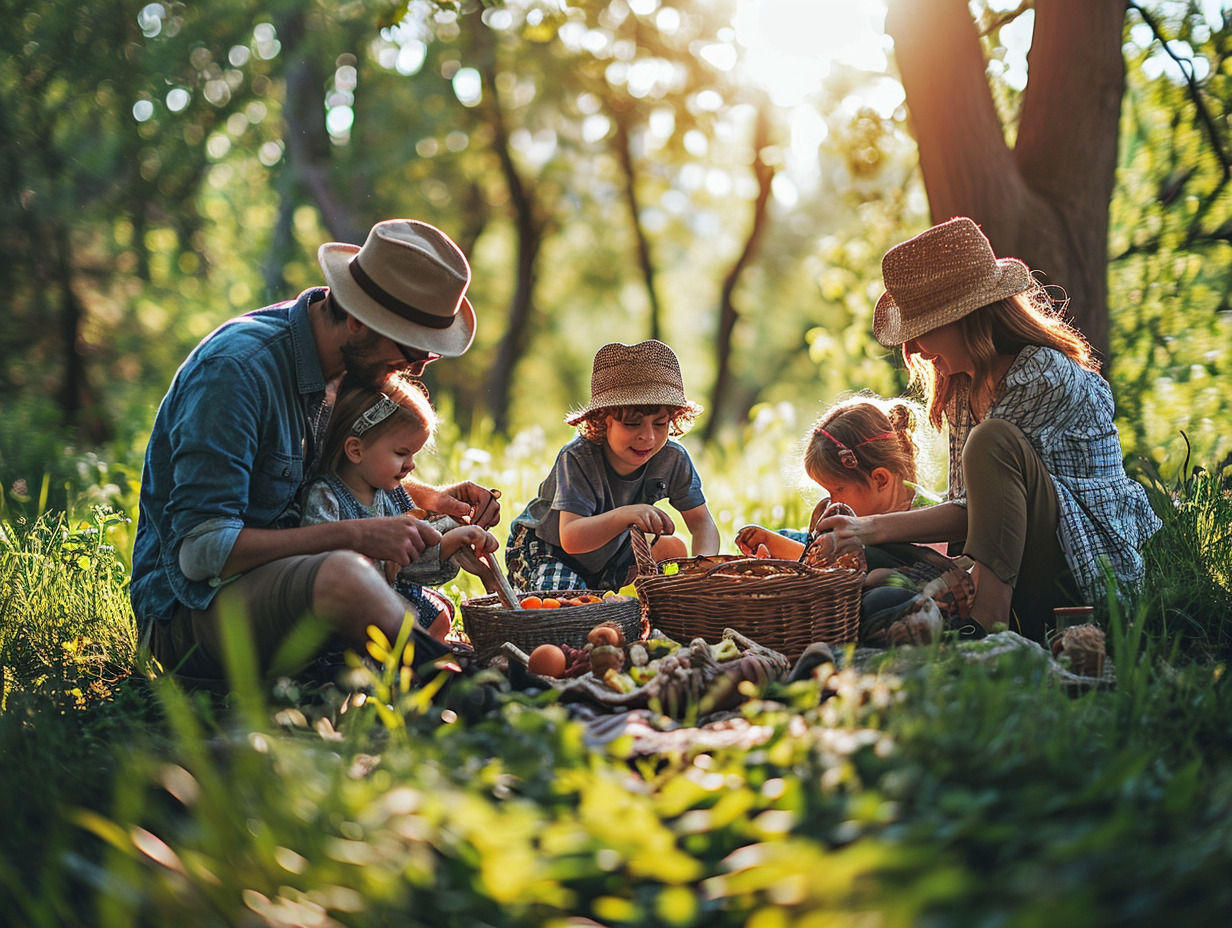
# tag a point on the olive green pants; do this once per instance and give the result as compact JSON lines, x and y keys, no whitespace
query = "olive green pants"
{"x":1012,"y":514}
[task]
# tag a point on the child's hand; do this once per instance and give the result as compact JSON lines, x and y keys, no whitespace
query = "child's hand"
{"x":819,"y":512}
{"x":756,"y":541}
{"x":470,"y":536}
{"x":750,"y":538}
{"x":650,"y":519}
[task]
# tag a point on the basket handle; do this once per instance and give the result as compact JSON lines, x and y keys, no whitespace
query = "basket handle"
{"x":746,"y":564}
{"x":647,"y":566}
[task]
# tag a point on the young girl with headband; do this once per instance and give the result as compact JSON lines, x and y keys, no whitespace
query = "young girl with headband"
{"x":369,"y":448}
{"x":863,"y":454}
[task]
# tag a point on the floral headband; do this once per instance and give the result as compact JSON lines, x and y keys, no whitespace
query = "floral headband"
{"x":375,"y":414}
{"x":846,"y":456}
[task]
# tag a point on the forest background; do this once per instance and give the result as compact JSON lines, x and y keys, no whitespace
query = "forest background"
{"x":724,"y":175}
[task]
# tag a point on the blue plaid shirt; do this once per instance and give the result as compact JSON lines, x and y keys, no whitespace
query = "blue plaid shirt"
{"x":1066,"y":413}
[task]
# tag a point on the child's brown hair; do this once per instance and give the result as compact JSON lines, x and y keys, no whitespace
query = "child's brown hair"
{"x":593,"y":425}
{"x":855,"y":437}
{"x":357,"y":396}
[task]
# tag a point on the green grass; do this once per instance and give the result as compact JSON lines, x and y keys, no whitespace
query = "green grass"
{"x":931,"y":789}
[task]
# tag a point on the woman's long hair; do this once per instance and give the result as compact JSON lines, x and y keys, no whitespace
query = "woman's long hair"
{"x":1001,"y":328}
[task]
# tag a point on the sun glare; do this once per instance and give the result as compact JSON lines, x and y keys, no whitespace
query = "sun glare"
{"x":791,"y":45}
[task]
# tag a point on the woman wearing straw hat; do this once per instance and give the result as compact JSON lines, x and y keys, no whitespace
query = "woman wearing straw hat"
{"x":575,"y":533}
{"x":1038,"y":492}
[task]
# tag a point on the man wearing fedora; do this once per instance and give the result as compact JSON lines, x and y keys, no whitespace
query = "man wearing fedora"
{"x":237,"y":433}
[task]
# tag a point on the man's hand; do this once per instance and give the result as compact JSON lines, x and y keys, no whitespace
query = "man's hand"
{"x":396,"y":540}
{"x":464,"y":500}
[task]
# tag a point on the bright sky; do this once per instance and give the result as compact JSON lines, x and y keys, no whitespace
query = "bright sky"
{"x":791,"y":44}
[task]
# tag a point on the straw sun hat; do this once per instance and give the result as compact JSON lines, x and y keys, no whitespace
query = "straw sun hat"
{"x":408,"y":282}
{"x":940,"y":276}
{"x":645,"y":374}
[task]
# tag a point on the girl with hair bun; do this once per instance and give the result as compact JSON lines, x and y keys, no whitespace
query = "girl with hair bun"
{"x":863,"y":453}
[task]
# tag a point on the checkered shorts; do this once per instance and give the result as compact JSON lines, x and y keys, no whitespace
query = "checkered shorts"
{"x":532,"y":564}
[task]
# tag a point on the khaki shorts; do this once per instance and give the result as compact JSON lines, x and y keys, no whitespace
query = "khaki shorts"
{"x":271,"y":600}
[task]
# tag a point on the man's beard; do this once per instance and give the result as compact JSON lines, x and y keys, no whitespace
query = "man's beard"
{"x":357,"y":356}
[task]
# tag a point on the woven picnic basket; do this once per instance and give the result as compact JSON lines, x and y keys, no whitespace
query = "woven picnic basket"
{"x":780,"y":604}
{"x":489,"y":625}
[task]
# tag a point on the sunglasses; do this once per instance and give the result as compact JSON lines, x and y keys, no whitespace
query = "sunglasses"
{"x":417,"y":359}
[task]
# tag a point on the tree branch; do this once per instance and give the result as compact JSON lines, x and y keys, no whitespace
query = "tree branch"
{"x":1191,"y":84}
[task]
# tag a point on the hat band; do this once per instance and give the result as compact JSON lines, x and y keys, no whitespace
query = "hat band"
{"x":392,"y":303}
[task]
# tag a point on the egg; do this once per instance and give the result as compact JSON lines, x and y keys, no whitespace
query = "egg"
{"x":547,"y":660}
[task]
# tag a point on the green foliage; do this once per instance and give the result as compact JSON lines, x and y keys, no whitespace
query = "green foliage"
{"x":43,"y":468}
{"x":1188,"y":582}
{"x":1169,"y":246}
{"x":934,"y":785}
{"x":938,"y":787}
{"x":66,"y":627}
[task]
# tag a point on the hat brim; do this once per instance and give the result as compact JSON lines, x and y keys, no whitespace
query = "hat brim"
{"x":891,"y":328}
{"x":575,"y":417}
{"x":448,"y":342}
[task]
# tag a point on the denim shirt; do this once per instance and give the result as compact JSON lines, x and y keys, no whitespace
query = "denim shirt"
{"x":228,"y":450}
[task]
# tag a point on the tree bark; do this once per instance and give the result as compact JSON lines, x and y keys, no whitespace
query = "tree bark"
{"x":307,"y":141}
{"x":1046,"y":199}
{"x":728,"y":314}
{"x":529,"y":228}
{"x":624,"y":154}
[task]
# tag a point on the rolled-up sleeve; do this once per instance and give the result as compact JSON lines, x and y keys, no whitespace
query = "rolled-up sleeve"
{"x":205,"y":549}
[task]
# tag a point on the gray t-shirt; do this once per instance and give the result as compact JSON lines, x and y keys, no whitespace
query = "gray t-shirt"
{"x":582,"y":482}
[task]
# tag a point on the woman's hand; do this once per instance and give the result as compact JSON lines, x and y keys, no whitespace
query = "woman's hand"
{"x":849,"y":533}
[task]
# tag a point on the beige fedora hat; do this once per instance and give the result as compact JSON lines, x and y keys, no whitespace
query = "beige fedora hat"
{"x":645,"y":374}
{"x":940,"y":276}
{"x":408,"y":282}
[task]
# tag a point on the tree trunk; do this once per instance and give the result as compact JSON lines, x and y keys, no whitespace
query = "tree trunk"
{"x":1046,"y":200}
{"x":727,"y":306}
{"x":530,"y":230}
{"x":624,"y":154}
{"x":307,"y":141}
{"x":78,"y":400}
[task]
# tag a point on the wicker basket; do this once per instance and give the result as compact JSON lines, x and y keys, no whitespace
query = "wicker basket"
{"x":489,"y":625}
{"x":779,"y":604}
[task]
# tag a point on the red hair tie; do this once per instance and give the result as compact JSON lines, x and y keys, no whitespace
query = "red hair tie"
{"x":846,"y":456}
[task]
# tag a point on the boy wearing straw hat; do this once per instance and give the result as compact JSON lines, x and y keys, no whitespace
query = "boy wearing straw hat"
{"x":218,"y":531}
{"x":575,"y":533}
